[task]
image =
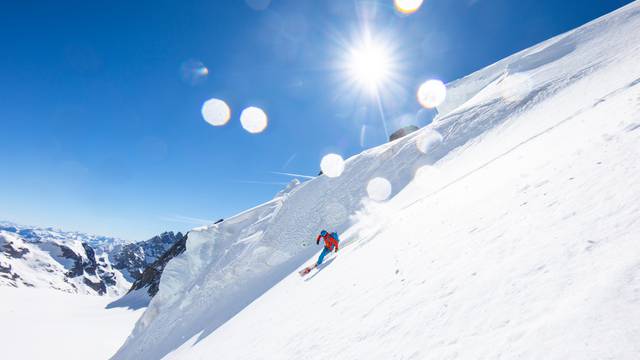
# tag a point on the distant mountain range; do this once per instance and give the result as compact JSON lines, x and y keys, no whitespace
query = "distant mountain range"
{"x":83,"y":263}
{"x":35,"y":257}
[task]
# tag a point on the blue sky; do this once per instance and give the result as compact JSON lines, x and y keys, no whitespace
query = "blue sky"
{"x":100,"y":132}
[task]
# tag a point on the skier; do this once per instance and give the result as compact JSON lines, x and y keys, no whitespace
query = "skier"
{"x":331,"y":243}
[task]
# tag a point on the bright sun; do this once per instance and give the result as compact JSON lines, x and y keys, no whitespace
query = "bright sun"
{"x":369,"y":65}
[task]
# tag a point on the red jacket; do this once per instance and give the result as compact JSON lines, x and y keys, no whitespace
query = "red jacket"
{"x":329,"y":242}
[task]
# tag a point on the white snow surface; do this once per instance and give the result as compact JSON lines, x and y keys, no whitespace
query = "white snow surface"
{"x":42,"y":324}
{"x":518,"y":240}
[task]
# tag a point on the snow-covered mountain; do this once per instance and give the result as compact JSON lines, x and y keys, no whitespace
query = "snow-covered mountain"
{"x":511,"y":231}
{"x":34,"y":234}
{"x":31,"y":260}
{"x":78,"y":262}
{"x":132,"y":259}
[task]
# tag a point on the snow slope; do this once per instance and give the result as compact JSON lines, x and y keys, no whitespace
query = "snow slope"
{"x":48,"y":324}
{"x":514,"y":237}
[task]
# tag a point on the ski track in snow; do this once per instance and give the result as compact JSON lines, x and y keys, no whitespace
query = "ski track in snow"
{"x":521,"y":242}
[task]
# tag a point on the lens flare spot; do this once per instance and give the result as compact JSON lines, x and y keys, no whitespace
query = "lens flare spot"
{"x":428,"y":141}
{"x":332,"y":165}
{"x":216,"y":112}
{"x":254,"y":120}
{"x":193,"y":72}
{"x":379,"y":189}
{"x":432,"y":93}
{"x":407,"y":6}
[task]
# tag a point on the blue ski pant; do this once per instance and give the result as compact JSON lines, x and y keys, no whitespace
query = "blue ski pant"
{"x":324,"y":253}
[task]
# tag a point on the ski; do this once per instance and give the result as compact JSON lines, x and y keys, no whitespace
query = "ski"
{"x":306,"y":270}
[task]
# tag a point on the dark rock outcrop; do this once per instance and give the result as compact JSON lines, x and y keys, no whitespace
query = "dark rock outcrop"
{"x":150,"y":277}
{"x":98,"y":287}
{"x":12,"y":250}
{"x":90,"y":265}
{"x":78,"y":264}
{"x":403,"y":132}
{"x":97,"y":276}
{"x":105,"y":271}
{"x":133,"y":259}
{"x":5,"y":268}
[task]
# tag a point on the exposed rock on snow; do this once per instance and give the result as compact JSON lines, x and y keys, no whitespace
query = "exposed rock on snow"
{"x":132,"y":259}
{"x":68,"y":265}
{"x":67,"y":261}
{"x":150,"y":278}
{"x":403,"y":132}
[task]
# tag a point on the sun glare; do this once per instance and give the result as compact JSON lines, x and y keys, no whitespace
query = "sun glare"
{"x":370,"y":64}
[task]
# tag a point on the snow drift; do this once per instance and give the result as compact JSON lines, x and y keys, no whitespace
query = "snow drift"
{"x":514,"y":236}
